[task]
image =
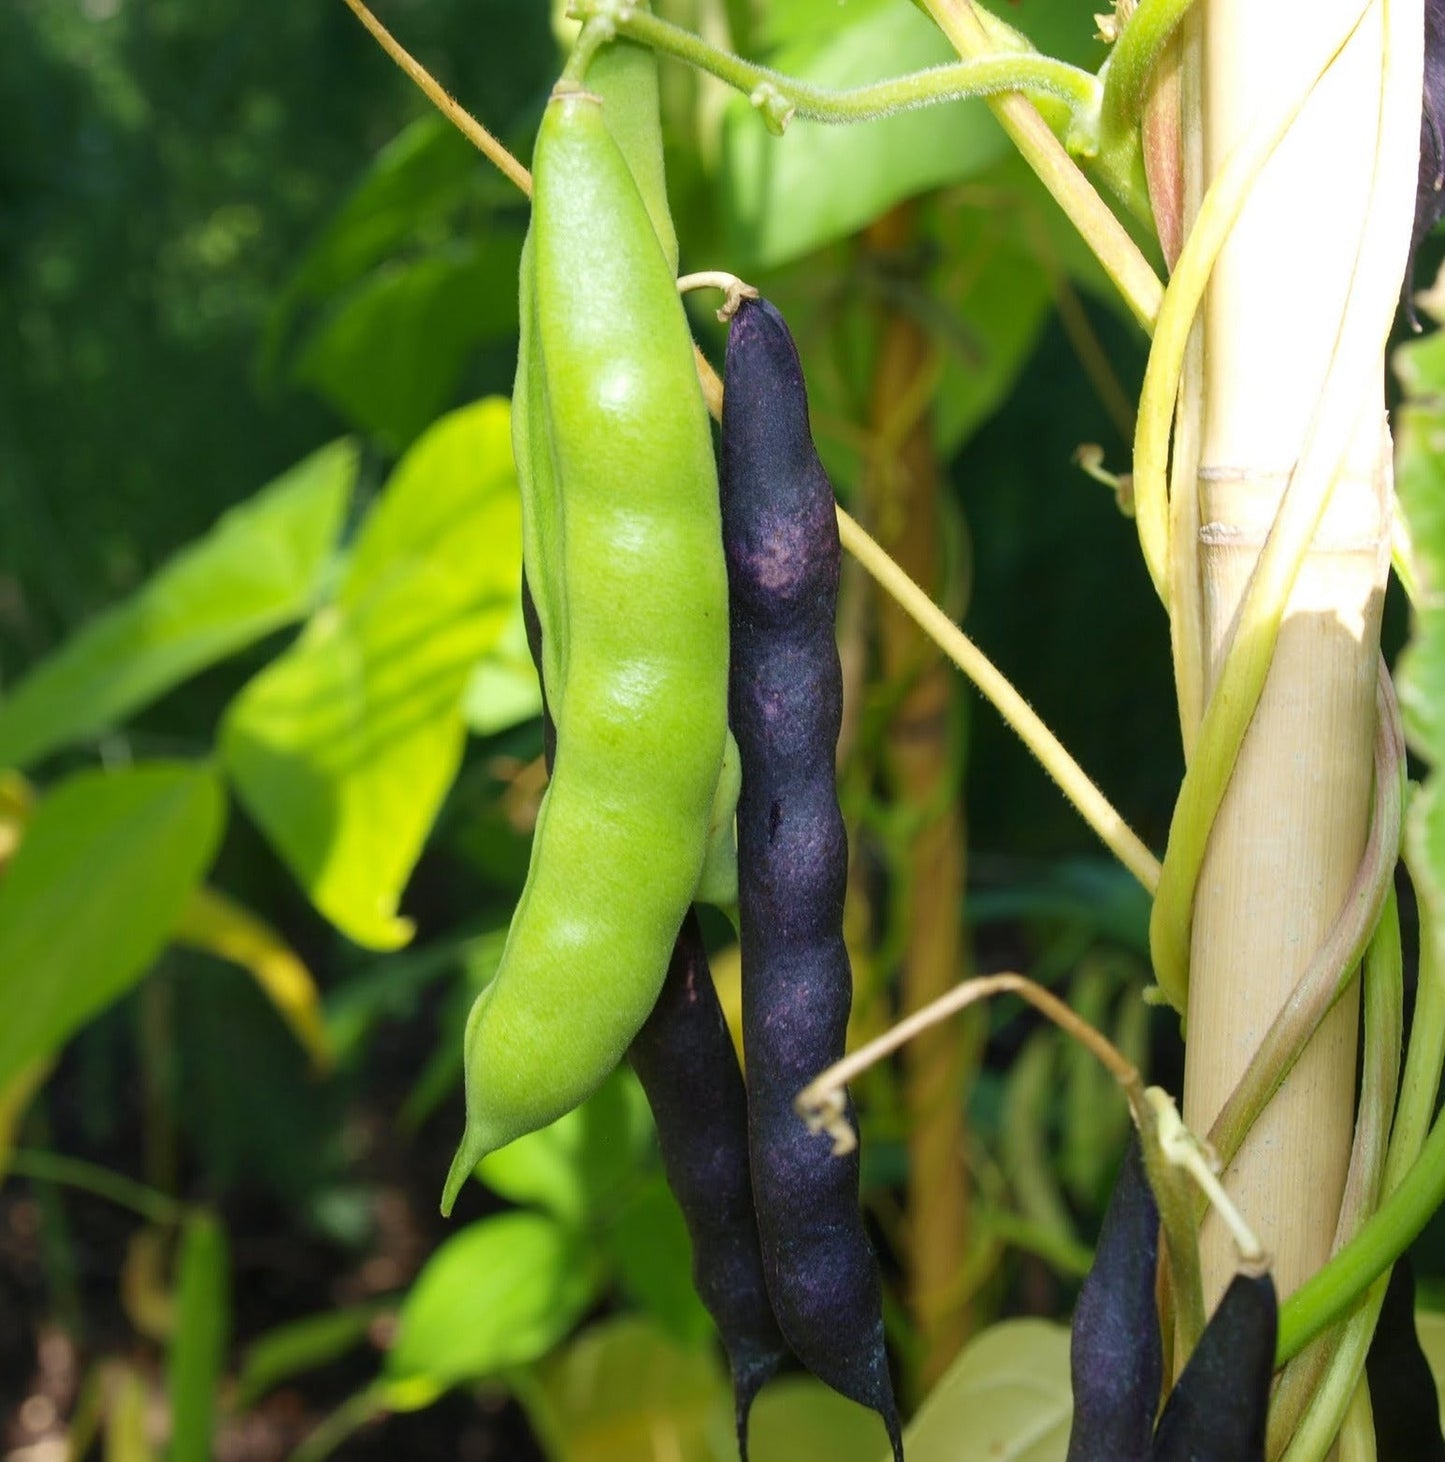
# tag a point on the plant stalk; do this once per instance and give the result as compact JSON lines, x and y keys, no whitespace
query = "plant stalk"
{"x":1312,"y":266}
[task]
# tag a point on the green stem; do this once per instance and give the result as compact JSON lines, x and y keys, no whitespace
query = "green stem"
{"x":1414,"y":1181}
{"x":781,"y":97}
{"x":1331,"y":1292}
{"x":1132,"y":63}
{"x":597,"y":31}
{"x":1312,"y":1416}
{"x":74,"y":1172}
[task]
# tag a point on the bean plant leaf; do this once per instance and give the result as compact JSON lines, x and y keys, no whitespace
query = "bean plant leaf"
{"x":1002,"y":295}
{"x":1419,"y":427}
{"x":622,"y":1391}
{"x":788,"y":195}
{"x":797,"y":1416}
{"x":258,"y":569}
{"x":500,"y":1293}
{"x":199,"y":1340}
{"x":88,"y":900}
{"x":1006,"y":1397}
{"x":344,"y":747}
{"x":504,"y":690}
{"x":575,"y":1167}
{"x":415,"y":182}
{"x":648,"y":1240}
{"x":819,"y":182}
{"x":390,"y":353}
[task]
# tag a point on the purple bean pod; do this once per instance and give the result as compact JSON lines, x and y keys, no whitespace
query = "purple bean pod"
{"x":780,"y":536}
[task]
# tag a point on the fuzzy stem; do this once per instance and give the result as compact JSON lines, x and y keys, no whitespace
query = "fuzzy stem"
{"x":1125,"y":264}
{"x":781,"y":97}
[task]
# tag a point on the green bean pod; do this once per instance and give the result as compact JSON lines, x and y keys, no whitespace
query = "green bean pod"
{"x":621,"y":835}
{"x":624,"y":75}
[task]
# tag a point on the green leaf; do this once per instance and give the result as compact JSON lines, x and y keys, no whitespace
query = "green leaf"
{"x":1419,"y":427}
{"x":623,"y":1392}
{"x":344,"y":747}
{"x":650,"y":1244}
{"x":258,"y":569}
{"x":302,"y":1345}
{"x":1006,"y":1398}
{"x":500,"y":1293}
{"x":999,"y":297}
{"x":575,"y":1167}
{"x":198,"y":1344}
{"x":799,"y":1417}
{"x":106,"y":866}
{"x":788,"y":195}
{"x":391,"y":353}
{"x":416,"y":181}
{"x":504,"y":690}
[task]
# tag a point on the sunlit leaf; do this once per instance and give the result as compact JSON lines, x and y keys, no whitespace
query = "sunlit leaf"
{"x":197,"y":1352}
{"x":1006,"y":1398}
{"x":258,"y":569}
{"x":504,"y":690}
{"x":574,"y":1167}
{"x":87,"y":902}
{"x":623,"y":1392}
{"x":343,"y":748}
{"x":216,"y":924}
{"x":500,"y":1293}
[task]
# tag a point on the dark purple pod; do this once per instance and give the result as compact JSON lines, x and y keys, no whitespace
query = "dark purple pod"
{"x":780,"y":535}
{"x":1218,"y":1410}
{"x":684,"y":1058}
{"x":1116,"y":1356}
{"x":1403,"y":1397}
{"x":1430,"y":187}
{"x":685,"y":1062}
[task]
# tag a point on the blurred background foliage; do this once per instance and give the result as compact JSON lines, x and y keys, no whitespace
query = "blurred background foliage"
{"x":232,"y":233}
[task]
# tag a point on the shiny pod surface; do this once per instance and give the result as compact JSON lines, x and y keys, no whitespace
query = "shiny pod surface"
{"x":642,"y":618}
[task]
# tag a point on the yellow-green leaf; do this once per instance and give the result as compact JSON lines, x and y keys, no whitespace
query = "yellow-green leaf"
{"x":88,"y":900}
{"x":624,"y":1392}
{"x":344,"y":748}
{"x":258,"y":569}
{"x":500,"y":1293}
{"x":1006,"y":1397}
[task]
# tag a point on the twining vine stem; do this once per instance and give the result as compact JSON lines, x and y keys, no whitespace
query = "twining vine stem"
{"x":780,"y":98}
{"x":1087,"y":799}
